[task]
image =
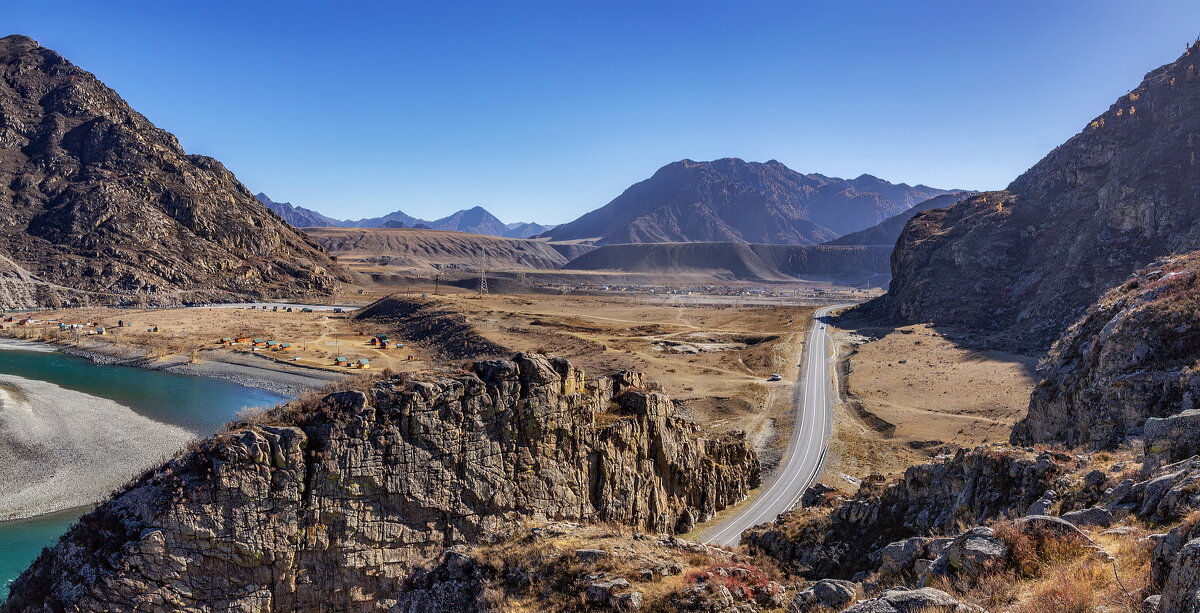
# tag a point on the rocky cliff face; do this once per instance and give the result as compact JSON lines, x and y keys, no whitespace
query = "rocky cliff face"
{"x":1133,"y":355}
{"x":99,"y":205}
{"x":730,"y":200}
{"x":327,"y":507}
{"x":1024,"y":263}
{"x":930,"y":500}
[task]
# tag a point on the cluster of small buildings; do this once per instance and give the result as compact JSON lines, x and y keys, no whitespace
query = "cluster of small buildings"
{"x":383,"y":342}
{"x":342,"y":360}
{"x":256,"y":343}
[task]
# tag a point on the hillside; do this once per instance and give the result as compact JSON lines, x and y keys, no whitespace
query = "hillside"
{"x":1022,"y":264}
{"x":1133,"y":356}
{"x":416,"y":249}
{"x":888,"y":231}
{"x":100,"y":205}
{"x":738,"y":260}
{"x":328,"y":504}
{"x":730,"y":200}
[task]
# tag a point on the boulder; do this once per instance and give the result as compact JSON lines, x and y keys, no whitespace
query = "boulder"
{"x":898,"y":557}
{"x":1095,"y":516}
{"x":1181,"y":592}
{"x":1172,"y":438}
{"x":604,"y":591}
{"x":588,"y":556}
{"x":924,"y":600}
{"x":976,"y":551}
{"x":832,"y":594}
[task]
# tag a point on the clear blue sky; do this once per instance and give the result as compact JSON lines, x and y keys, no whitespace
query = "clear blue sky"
{"x":544,"y":110}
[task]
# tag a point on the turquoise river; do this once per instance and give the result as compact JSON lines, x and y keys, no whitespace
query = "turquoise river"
{"x":198,"y":404}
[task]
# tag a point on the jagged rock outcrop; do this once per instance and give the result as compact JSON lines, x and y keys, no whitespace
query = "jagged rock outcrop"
{"x":101,"y":206}
{"x":930,"y":500}
{"x":1023,"y":264}
{"x":731,"y":200}
{"x":328,"y":506}
{"x":537,"y":570}
{"x":1134,"y":355}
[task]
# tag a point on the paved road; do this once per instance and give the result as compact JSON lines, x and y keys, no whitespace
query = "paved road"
{"x":814,"y":422}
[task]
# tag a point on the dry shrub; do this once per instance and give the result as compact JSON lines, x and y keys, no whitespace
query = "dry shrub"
{"x":1031,"y":553}
{"x":738,"y":578}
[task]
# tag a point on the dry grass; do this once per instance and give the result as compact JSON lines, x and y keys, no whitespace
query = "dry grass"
{"x":1049,"y":573}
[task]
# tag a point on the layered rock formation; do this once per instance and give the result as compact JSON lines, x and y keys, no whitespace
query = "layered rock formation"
{"x":428,"y":250}
{"x":1134,"y":355}
{"x":1024,"y":263}
{"x":99,"y":205}
{"x":739,"y":260}
{"x":730,"y":200}
{"x":327,"y":506}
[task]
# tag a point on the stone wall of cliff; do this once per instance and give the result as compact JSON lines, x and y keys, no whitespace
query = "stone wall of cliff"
{"x":326,"y":507}
{"x":1134,"y":355}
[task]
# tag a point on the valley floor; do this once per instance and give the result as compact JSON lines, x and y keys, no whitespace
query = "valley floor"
{"x":910,"y":393}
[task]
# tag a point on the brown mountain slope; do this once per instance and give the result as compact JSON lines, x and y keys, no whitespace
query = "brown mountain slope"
{"x":731,"y":200}
{"x":1024,"y":263}
{"x":96,"y":203}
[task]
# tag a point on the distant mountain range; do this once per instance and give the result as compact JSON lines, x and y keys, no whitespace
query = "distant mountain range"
{"x":731,"y":200}
{"x":475,"y":220}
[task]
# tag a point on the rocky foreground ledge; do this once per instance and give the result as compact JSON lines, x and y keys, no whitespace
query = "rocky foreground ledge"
{"x":327,"y":504}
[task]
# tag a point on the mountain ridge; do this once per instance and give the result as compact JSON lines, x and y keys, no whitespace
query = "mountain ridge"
{"x":475,"y":220}
{"x":731,"y":200}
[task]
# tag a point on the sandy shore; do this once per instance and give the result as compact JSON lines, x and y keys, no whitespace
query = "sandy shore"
{"x":243,"y":369}
{"x":61,"y":449}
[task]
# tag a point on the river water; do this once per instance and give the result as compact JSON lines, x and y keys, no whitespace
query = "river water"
{"x":198,"y":404}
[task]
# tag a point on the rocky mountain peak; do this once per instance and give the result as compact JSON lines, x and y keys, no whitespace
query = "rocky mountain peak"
{"x":103,"y":206}
{"x":1022,"y":264}
{"x":732,"y":200}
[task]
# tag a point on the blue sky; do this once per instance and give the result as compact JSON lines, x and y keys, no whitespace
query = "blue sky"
{"x":545,"y":110}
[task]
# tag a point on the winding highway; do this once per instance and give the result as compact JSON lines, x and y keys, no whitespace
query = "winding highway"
{"x":806,"y":451}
